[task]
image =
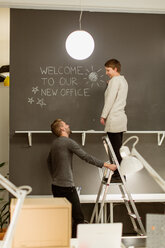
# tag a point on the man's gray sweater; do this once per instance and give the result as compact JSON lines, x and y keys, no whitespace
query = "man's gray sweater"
{"x":60,"y":160}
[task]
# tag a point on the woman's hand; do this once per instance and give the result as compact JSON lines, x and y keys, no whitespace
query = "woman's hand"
{"x":102,"y":121}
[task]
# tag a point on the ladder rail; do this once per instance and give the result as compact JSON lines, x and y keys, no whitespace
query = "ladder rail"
{"x":106,"y":171}
{"x":98,"y":197}
{"x":130,"y":200}
{"x":104,"y":196}
{"x":96,"y":204}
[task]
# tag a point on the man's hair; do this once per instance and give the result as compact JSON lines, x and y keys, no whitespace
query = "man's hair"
{"x":56,"y":127}
{"x":113,"y":63}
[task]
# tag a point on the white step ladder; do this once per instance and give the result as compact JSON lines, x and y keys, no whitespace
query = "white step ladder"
{"x":127,"y":198}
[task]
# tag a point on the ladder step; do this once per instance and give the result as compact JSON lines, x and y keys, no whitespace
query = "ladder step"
{"x":126,"y":199}
{"x":104,"y":180}
{"x":133,"y":216}
{"x":139,"y":231}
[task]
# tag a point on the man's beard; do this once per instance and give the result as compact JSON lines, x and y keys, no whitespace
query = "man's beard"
{"x":68,"y":131}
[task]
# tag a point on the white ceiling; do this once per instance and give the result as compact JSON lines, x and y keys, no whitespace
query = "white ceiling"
{"x":130,"y":6}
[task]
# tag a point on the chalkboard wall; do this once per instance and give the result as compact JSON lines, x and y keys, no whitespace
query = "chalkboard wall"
{"x":46,"y":83}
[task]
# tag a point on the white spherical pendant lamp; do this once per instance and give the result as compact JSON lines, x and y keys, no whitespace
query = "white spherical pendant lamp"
{"x":79,"y":44}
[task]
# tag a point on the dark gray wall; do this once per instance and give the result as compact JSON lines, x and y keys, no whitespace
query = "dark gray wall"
{"x":67,"y":89}
{"x":28,"y":164}
{"x":38,"y":41}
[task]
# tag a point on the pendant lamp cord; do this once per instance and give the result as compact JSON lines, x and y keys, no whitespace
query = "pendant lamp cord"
{"x":80,"y":19}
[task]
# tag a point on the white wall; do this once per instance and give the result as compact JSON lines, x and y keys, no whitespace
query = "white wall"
{"x":133,"y":6}
{"x":4,"y":36}
{"x":4,"y":90}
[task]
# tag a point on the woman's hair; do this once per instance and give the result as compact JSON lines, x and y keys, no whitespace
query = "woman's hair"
{"x":113,"y":63}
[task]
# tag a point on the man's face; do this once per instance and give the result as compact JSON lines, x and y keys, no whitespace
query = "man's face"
{"x":65,"y":127}
{"x":110,"y":72}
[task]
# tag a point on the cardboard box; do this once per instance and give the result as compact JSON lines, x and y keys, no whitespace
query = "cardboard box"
{"x":43,"y":222}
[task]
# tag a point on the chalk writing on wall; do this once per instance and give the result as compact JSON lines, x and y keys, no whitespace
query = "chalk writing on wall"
{"x":64,"y":81}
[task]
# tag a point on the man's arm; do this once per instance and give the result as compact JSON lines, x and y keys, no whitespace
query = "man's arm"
{"x":75,"y":148}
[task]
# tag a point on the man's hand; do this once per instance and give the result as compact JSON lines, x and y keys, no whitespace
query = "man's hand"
{"x":112,"y":167}
{"x":102,"y":121}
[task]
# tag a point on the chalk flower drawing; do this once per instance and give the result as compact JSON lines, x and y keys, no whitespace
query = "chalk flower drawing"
{"x":30,"y":100}
{"x":93,"y":77}
{"x":35,"y":89}
{"x":40,"y":102}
